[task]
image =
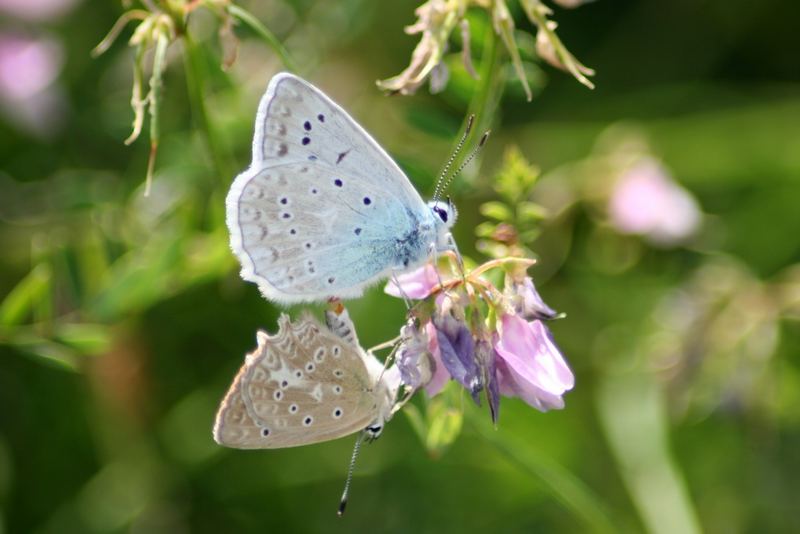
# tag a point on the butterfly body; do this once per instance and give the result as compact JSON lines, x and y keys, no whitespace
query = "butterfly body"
{"x":305,"y":385}
{"x":323,"y":211}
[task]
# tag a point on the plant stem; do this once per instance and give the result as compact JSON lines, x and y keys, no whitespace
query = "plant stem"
{"x":195,"y":87}
{"x":267,"y":36}
{"x":487,"y":93}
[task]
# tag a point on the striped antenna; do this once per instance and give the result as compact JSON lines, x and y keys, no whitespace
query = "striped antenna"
{"x":466,"y":161}
{"x":438,"y":191}
{"x":346,"y":492}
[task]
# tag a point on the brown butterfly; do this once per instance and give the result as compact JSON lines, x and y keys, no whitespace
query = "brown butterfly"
{"x":306,"y":384}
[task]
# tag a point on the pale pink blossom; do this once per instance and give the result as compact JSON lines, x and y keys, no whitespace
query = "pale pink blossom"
{"x":646,"y":201}
{"x":416,"y":285}
{"x":529,"y":365}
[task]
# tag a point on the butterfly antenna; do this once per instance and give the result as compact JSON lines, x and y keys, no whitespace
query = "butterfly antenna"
{"x":439,"y":189}
{"x":467,"y":161}
{"x":343,"y":501}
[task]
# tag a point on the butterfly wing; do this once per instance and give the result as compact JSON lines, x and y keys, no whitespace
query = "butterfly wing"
{"x":323,"y":210}
{"x":304,"y":385}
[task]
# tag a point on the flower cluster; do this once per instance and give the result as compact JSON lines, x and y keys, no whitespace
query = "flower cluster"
{"x":159,"y":25}
{"x":436,"y":21}
{"x":466,"y":329}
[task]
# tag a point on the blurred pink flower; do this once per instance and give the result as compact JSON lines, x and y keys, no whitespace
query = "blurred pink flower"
{"x":415,"y":285}
{"x":29,"y":68}
{"x":647,"y":201}
{"x":27,"y":65}
{"x":571,"y":4}
{"x":529,"y":365}
{"x":36,"y":10}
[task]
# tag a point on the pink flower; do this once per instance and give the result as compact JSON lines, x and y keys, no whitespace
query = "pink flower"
{"x":415,"y":285}
{"x":529,"y":365}
{"x":647,"y":201}
{"x":37,"y":10}
{"x":30,"y":96}
{"x":526,"y":300}
{"x":27,"y":65}
{"x":440,"y":374}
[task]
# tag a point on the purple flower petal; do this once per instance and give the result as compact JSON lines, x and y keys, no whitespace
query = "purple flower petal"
{"x":415,"y":285}
{"x":457,"y":350}
{"x":413,"y":360}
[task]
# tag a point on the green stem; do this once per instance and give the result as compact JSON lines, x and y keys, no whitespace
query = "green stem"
{"x":195,"y":86}
{"x":154,"y":104}
{"x":633,"y":415}
{"x":267,"y":36}
{"x":486,"y":96}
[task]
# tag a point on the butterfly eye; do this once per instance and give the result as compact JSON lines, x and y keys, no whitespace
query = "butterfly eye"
{"x":441,"y":213}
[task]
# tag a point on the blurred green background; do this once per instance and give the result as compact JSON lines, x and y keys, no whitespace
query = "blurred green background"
{"x":123,"y":319}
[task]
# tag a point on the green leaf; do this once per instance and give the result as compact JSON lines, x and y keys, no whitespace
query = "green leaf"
{"x":485,"y":229}
{"x":46,"y":350}
{"x":497,"y":210}
{"x":491,"y":248}
{"x":529,"y":211}
{"x":89,"y":339}
{"x":529,"y":236}
{"x":30,"y":290}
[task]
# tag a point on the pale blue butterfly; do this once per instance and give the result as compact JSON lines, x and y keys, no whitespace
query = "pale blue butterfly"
{"x":323,"y":211}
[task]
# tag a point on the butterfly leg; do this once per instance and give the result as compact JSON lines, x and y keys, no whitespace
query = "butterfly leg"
{"x":407,"y":395}
{"x":459,"y":258}
{"x":433,"y":252}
